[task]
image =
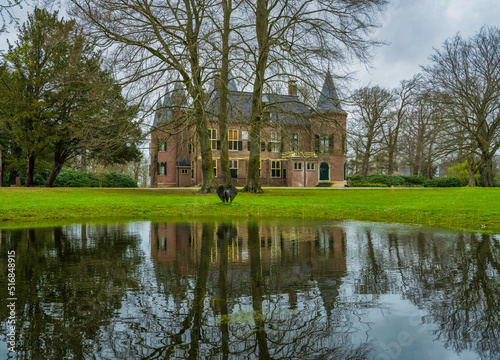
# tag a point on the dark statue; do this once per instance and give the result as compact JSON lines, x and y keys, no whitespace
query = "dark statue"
{"x":226,"y":193}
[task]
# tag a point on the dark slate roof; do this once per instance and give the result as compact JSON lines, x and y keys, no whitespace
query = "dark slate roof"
{"x":286,"y":109}
{"x":329,"y":98}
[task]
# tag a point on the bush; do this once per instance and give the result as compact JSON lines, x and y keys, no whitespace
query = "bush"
{"x":39,"y":177}
{"x":71,"y":178}
{"x":388,"y":180}
{"x":114,"y":179}
{"x":413,"y":180}
{"x":356,"y":178}
{"x":445,"y":182}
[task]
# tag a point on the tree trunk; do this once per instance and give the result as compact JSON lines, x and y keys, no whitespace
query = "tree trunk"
{"x":30,"y":171}
{"x":390,"y":162}
{"x":208,"y":185}
{"x":487,"y":174}
{"x":224,"y":74}
{"x":59,"y":160}
{"x":472,"y":173}
{"x":366,"y":160}
{"x":261,"y":28}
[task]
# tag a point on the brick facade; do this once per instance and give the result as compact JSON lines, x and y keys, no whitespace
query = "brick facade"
{"x":299,"y":146}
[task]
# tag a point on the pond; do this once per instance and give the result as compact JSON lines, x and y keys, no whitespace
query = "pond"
{"x":247,"y":290}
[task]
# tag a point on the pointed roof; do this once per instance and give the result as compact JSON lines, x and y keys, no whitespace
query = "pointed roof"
{"x":157,"y":110}
{"x":329,"y":98}
{"x":178,"y":93}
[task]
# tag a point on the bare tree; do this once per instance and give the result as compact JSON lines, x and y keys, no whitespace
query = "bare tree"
{"x":372,"y":106}
{"x":392,"y":128}
{"x":466,"y":76}
{"x":152,"y":38}
{"x":423,"y":139}
{"x":300,"y":39}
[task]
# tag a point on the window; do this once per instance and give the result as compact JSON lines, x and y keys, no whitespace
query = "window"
{"x":323,"y":144}
{"x":162,"y":169}
{"x":344,"y":144}
{"x":233,"y":168}
{"x":233,"y":140}
{"x":212,"y":134}
{"x":297,"y":166}
{"x":163,"y":145}
{"x":215,"y":167}
{"x":310,"y":166}
{"x":191,"y":148}
{"x":192,"y":169}
{"x":275,"y":169}
{"x":184,"y":171}
{"x":294,"y":142}
{"x":275,"y":141}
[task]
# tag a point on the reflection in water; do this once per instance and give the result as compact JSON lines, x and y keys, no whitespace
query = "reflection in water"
{"x":69,"y":283}
{"x":252,"y":290}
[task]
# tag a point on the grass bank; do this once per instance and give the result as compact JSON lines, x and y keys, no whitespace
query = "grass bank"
{"x":473,"y":209}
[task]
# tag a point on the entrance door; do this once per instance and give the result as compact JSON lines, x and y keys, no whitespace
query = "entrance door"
{"x":324,"y":172}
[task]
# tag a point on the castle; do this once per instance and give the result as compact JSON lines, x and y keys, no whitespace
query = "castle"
{"x":300,"y":146}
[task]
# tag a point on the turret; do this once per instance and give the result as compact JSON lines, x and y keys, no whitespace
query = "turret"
{"x":328,"y":99}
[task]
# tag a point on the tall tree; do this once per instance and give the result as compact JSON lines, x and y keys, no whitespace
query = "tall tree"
{"x":372,"y":106}
{"x":300,"y":39}
{"x":396,"y":119}
{"x":33,"y":59}
{"x":152,"y":38}
{"x":466,"y":75}
{"x":422,"y":136}
{"x":91,"y":117}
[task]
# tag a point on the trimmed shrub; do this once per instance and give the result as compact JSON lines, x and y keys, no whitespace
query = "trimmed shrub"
{"x":72,"y":178}
{"x":415,"y":180}
{"x":445,"y":182}
{"x":114,"y":179}
{"x":356,"y":178}
{"x":378,"y":179}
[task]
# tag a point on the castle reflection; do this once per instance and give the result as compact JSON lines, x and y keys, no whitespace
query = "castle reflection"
{"x":178,"y":245}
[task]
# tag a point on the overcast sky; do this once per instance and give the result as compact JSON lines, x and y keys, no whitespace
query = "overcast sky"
{"x":412,"y":28}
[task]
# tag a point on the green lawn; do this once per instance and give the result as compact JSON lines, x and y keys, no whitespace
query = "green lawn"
{"x":474,"y":209}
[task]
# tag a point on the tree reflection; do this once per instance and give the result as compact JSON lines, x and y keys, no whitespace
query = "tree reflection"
{"x":247,"y":290}
{"x":465,"y":303}
{"x":66,"y":291}
{"x":454,"y":279}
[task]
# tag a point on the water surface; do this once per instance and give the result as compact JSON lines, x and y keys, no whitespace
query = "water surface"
{"x":302,"y":290}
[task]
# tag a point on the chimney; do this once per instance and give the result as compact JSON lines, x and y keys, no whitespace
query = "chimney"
{"x":292,"y":87}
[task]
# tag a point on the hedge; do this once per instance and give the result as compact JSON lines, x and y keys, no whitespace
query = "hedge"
{"x":397,"y":180}
{"x":114,"y":179}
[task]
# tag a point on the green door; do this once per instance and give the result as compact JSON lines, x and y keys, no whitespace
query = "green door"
{"x":324,"y":172}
